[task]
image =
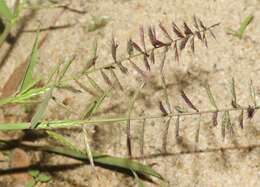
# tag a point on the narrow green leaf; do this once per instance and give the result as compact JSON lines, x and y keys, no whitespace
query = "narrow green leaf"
{"x":72,"y":151}
{"x":41,"y":109}
{"x":5,"y":12}
{"x":24,"y":97}
{"x":59,"y":124}
{"x":103,"y":159}
{"x":210,"y":96}
{"x":28,"y":78}
{"x":92,"y":108}
{"x":243,"y":26}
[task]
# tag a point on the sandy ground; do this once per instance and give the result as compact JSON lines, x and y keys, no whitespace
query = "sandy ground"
{"x":211,"y":161}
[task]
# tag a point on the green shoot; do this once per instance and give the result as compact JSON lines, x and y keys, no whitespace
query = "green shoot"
{"x":243,"y":26}
{"x":28,"y":80}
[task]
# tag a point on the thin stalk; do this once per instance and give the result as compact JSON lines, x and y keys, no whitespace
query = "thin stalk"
{"x":74,"y":123}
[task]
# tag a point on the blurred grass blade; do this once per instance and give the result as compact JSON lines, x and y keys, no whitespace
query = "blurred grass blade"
{"x":95,"y":85}
{"x":223,"y":125}
{"x":41,"y":108}
{"x":28,"y":79}
{"x":5,"y":13}
{"x":243,"y":26}
{"x":102,"y":160}
{"x":71,"y":151}
{"x":62,"y":140}
{"x":210,"y":96}
{"x":16,"y":8}
{"x":92,"y":61}
{"x":130,"y":108}
{"x":138,"y":181}
{"x":233,"y":92}
{"x":59,"y":123}
{"x":24,"y":97}
{"x":66,"y":67}
{"x":94,"y":105}
{"x":252,"y":92}
{"x":88,"y":150}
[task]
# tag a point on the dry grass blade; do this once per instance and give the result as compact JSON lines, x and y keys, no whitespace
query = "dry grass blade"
{"x":165,"y":135}
{"x":250,"y":112}
{"x":154,"y":41}
{"x":202,"y":25}
{"x":197,"y":33}
{"x":187,"y":30}
{"x":215,"y":119}
{"x":164,"y":81}
{"x":130,"y":49}
{"x":152,"y":58}
{"x":87,"y":146}
{"x":188,"y":101}
{"x":233,"y":92}
{"x":138,"y":70}
{"x":152,"y":36}
{"x":146,"y":63}
{"x":229,"y":125}
{"x":176,"y":52}
{"x":252,"y":93}
{"x":92,"y":61}
{"x":138,"y":48}
{"x":210,"y":96}
{"x":241,"y":119}
{"x":177,"y":127}
{"x":184,"y":41}
{"x":195,"y":21}
{"x":66,"y":67}
{"x":142,"y":38}
{"x":192,"y":45}
{"x":114,"y":47}
{"x":212,"y":34}
{"x":205,"y":39}
{"x":198,"y":131}
{"x":116,"y":79}
{"x":86,"y":89}
{"x":223,"y":125}
{"x":95,"y":85}
{"x":162,"y":109}
{"x":177,"y":31}
{"x":106,"y":78}
{"x":164,"y":30}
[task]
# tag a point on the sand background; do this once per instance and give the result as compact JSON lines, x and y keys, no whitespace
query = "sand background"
{"x":211,"y":162}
